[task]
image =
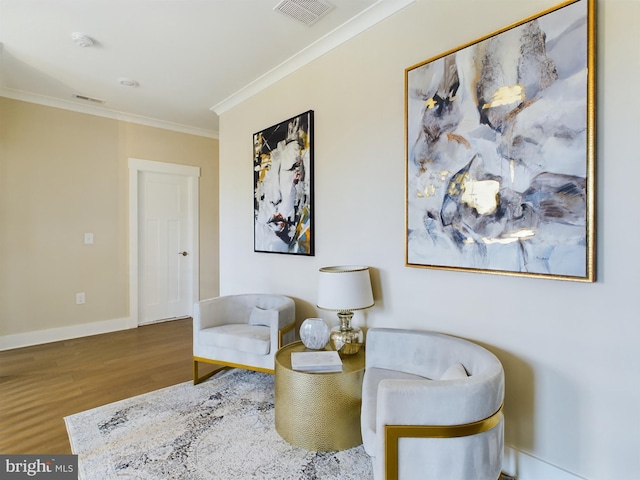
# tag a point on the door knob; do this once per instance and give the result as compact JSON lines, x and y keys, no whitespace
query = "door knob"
{"x":184,"y":254}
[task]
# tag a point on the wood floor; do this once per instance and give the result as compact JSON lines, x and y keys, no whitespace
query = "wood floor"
{"x":40,"y":385}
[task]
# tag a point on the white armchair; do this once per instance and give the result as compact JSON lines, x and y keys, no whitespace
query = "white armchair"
{"x":242,"y":331}
{"x":431,"y":407}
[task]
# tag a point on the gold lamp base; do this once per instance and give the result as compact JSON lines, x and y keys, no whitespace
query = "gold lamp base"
{"x":345,"y":339}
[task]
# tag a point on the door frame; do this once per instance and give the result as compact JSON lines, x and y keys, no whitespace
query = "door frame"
{"x":136,"y":168}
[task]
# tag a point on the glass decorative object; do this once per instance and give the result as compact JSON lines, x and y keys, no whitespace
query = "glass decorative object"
{"x":314,"y":333}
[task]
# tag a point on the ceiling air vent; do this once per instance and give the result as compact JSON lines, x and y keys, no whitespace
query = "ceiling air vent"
{"x":87,"y":99}
{"x":305,"y":11}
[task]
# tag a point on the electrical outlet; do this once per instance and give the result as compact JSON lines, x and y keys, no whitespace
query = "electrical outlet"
{"x":79,"y":298}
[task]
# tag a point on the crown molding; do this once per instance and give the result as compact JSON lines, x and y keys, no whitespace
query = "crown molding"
{"x":365,"y":20}
{"x":104,"y":112}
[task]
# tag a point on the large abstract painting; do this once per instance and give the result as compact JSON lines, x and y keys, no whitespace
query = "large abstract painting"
{"x":283,"y":187}
{"x":500,"y":151}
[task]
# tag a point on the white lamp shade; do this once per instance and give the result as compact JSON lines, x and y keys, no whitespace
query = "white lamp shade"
{"x":345,"y":288}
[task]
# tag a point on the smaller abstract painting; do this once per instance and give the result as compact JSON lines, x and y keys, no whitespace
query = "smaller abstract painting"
{"x":283,"y":187}
{"x":500,"y":135}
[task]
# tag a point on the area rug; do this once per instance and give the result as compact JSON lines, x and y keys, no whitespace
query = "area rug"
{"x":220,"y":429}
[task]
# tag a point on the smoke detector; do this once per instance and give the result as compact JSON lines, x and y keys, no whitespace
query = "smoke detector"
{"x":127,"y":82}
{"x":81,"y":39}
{"x":305,"y":11}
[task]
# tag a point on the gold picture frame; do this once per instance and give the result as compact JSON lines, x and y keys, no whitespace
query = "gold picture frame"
{"x":500,"y":151}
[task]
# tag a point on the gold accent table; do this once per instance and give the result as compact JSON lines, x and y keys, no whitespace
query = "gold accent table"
{"x":318,"y":411}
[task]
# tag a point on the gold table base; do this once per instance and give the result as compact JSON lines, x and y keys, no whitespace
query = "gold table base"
{"x":318,"y":411}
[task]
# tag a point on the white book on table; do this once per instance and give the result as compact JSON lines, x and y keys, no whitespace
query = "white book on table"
{"x":320,"y":361}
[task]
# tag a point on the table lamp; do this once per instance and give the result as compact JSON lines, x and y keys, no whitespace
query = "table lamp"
{"x":345,"y":289}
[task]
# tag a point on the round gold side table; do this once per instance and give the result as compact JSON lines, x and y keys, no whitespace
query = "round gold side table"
{"x":318,"y":411}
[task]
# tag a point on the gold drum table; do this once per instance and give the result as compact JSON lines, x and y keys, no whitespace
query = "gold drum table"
{"x":318,"y":411}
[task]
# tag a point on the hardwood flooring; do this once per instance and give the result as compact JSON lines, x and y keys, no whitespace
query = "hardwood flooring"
{"x":40,"y":385}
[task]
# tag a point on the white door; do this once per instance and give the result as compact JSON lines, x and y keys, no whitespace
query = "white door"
{"x":164,"y":247}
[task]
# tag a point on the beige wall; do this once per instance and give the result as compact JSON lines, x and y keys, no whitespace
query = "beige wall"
{"x":63,"y":174}
{"x":569,"y":349}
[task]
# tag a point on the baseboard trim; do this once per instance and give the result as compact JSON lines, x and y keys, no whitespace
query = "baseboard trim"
{"x":28,"y":339}
{"x":524,"y":466}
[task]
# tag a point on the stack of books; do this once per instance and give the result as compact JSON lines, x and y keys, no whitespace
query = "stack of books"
{"x":321,"y":361}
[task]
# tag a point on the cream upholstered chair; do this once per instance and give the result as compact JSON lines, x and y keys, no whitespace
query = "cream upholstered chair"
{"x":242,"y":331}
{"x":431,"y":407}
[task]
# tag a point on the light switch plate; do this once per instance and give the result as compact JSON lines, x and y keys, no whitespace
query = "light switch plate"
{"x":88,"y":238}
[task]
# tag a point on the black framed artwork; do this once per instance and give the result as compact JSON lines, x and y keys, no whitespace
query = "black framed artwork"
{"x":283,"y":187}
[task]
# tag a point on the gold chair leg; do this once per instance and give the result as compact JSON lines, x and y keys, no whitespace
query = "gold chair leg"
{"x":196,"y":379}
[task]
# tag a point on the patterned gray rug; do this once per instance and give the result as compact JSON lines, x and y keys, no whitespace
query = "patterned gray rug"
{"x":220,"y":429}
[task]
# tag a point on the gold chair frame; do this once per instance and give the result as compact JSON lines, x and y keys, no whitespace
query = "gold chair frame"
{"x":196,"y":360}
{"x":393,"y":433}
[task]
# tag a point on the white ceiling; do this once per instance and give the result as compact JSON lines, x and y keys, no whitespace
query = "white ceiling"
{"x":193,"y":59}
